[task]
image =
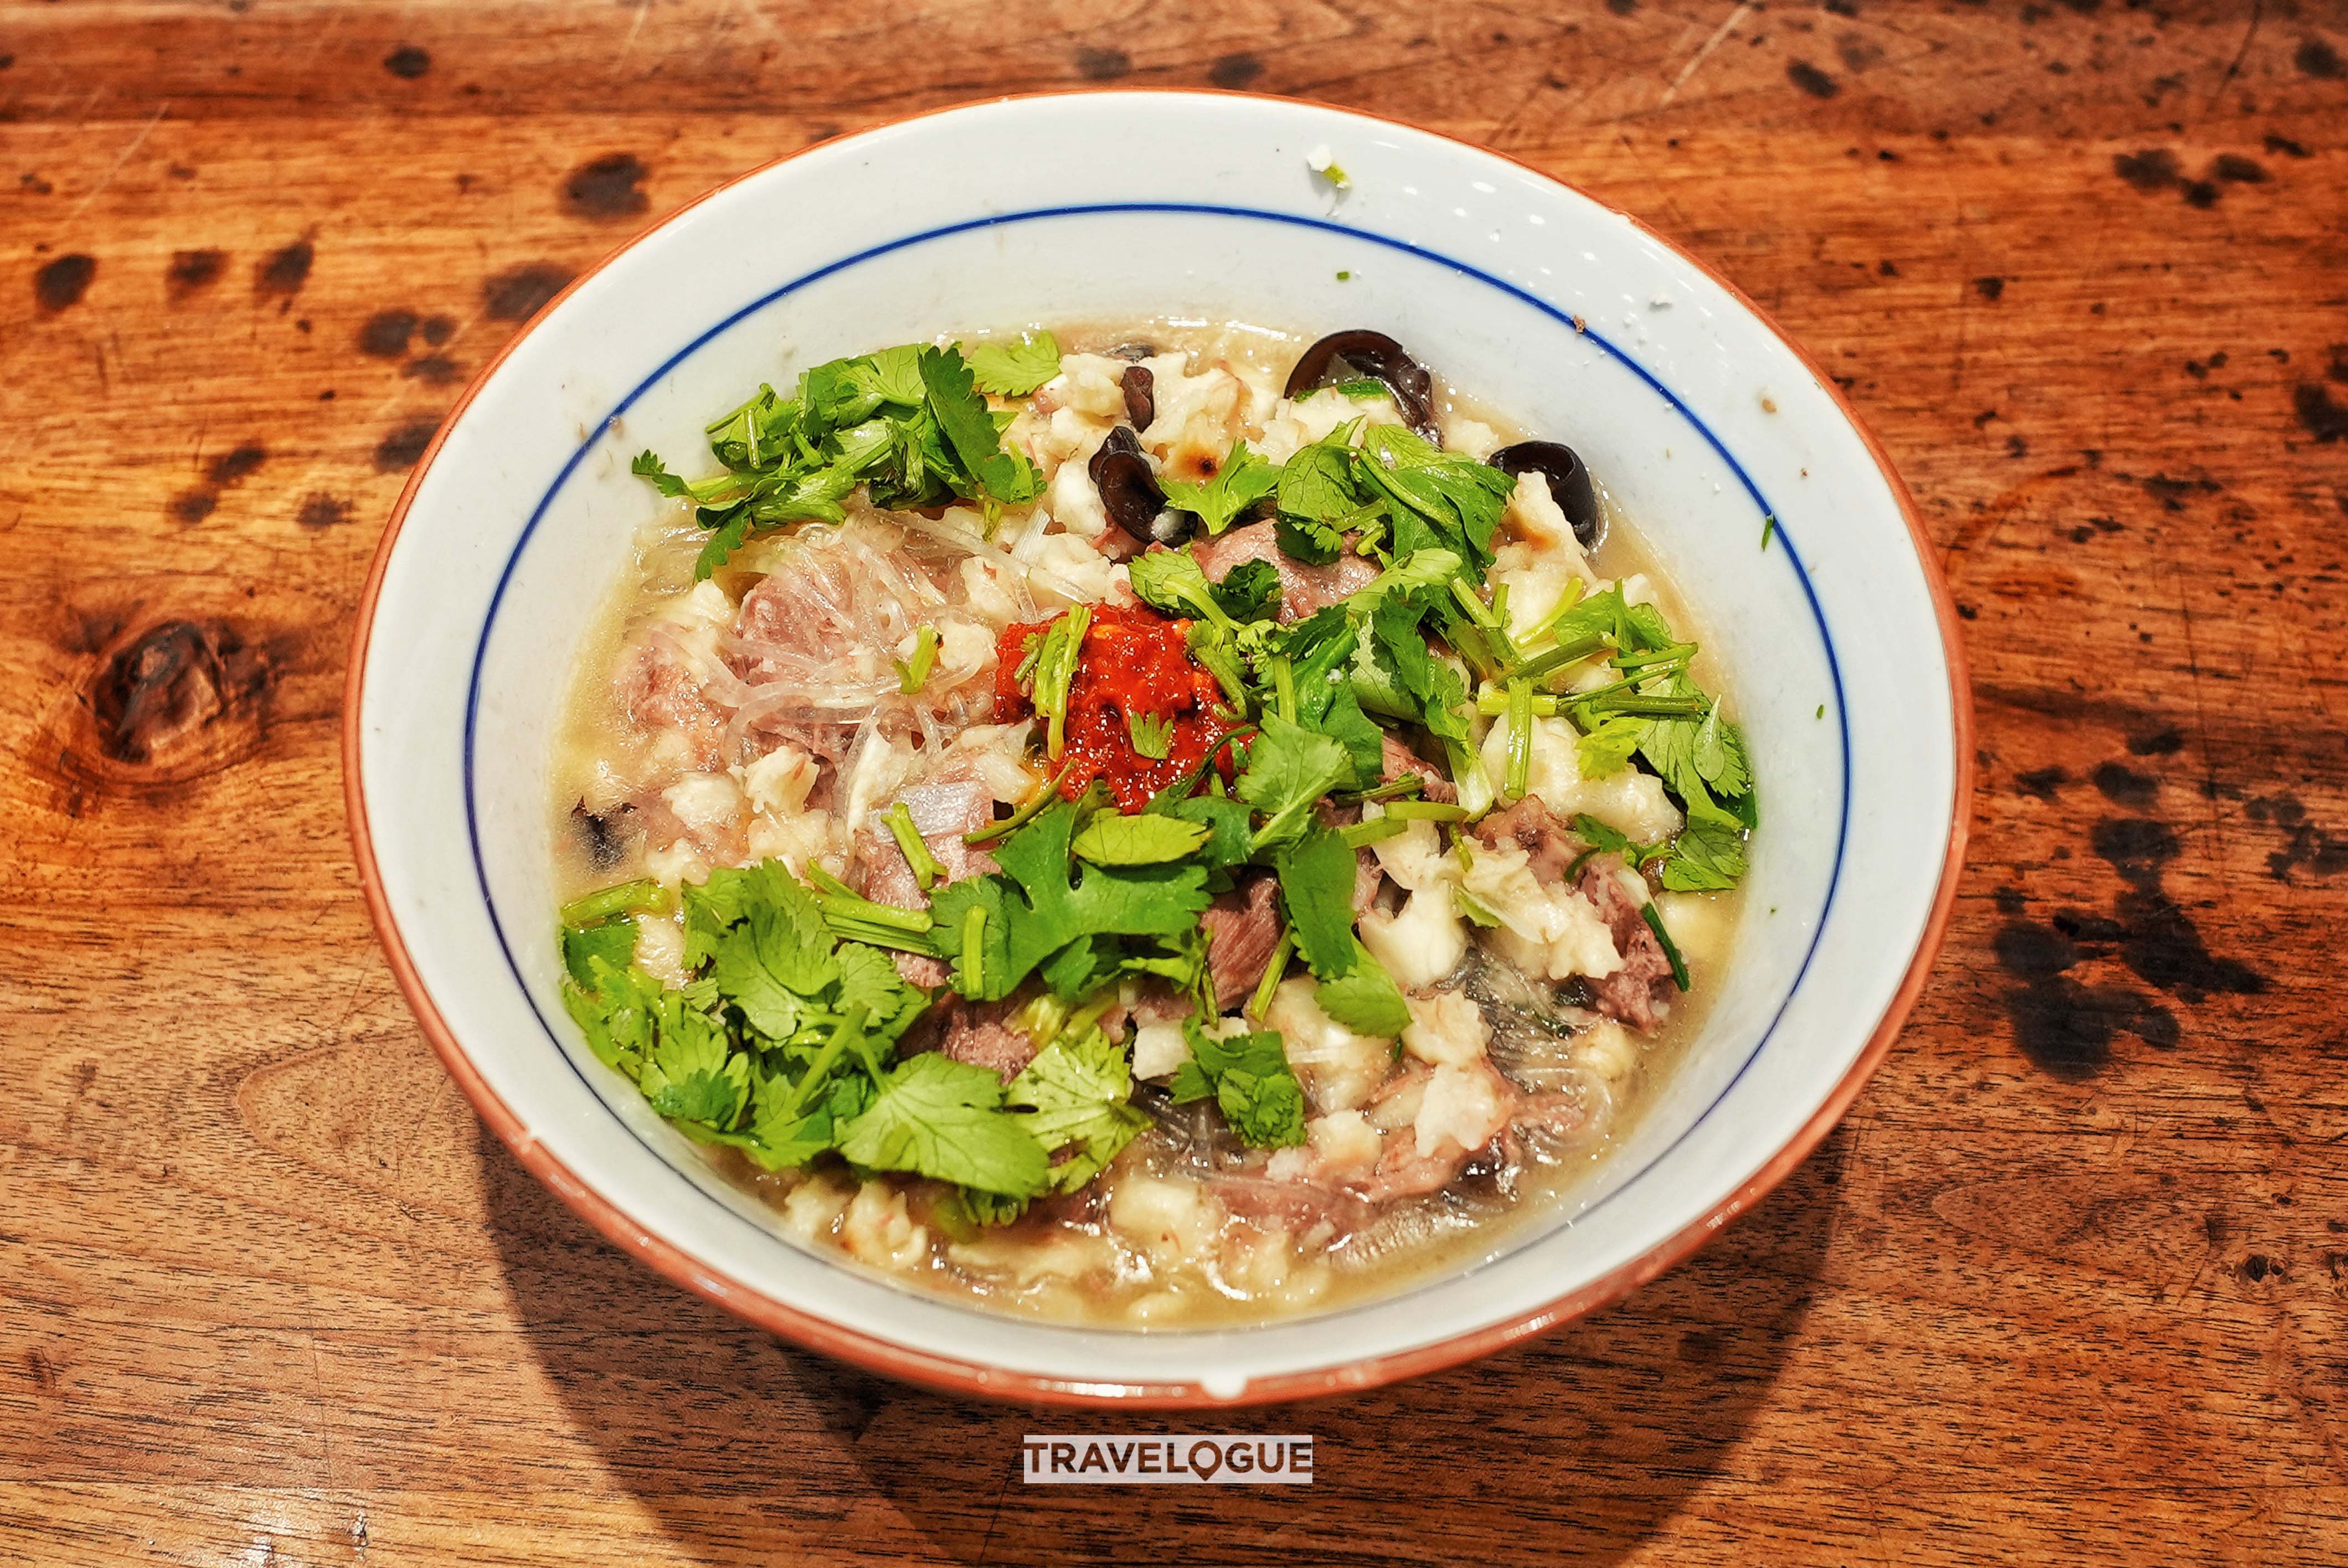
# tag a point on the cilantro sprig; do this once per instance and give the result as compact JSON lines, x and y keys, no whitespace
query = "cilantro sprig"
{"x":909,"y":424}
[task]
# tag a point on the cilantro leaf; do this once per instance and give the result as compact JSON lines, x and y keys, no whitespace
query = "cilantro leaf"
{"x":1244,"y":479}
{"x":1606,"y":749}
{"x":1431,"y":568}
{"x":943,"y":1119}
{"x":962,"y":417}
{"x":1288,"y":769}
{"x":1113,"y":840}
{"x":1250,"y":590}
{"x":775,"y":962}
{"x":1459,"y":497}
{"x":868,"y":981}
{"x":1365,"y":998}
{"x":1317,"y":485}
{"x":1173,"y":583}
{"x":1344,"y":722}
{"x":613,"y":941}
{"x":1304,"y":539}
{"x":1707,"y":855}
{"x":1226,"y":821}
{"x":1015,"y":369}
{"x":1317,"y":889}
{"x":1076,"y":1090}
{"x":690,"y":1074}
{"x":1030,"y":910}
{"x":1251,"y":1083}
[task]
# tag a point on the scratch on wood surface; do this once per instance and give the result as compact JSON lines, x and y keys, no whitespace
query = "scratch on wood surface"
{"x":120,"y":158}
{"x":1719,"y":37}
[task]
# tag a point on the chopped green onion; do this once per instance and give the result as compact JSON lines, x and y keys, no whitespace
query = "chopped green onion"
{"x":1654,"y":918}
{"x":926,"y":869}
{"x":620,"y":898}
{"x":911,"y":678}
{"x":1359,"y":834}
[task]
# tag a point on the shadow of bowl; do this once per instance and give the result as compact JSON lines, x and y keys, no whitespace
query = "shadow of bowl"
{"x":1572,"y":1448}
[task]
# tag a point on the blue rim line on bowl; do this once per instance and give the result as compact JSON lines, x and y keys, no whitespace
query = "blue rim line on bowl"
{"x":602,"y":429}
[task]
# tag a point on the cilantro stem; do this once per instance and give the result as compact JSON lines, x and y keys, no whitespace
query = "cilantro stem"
{"x":1574,"y":589}
{"x":910,"y":843}
{"x":852,"y":1026}
{"x":1559,"y":657}
{"x":1654,"y":918}
{"x":1473,"y":908}
{"x":974,"y":951}
{"x":1425,"y":811}
{"x":1283,"y":687}
{"x":1360,"y":834}
{"x":1026,"y":812}
{"x":911,"y":678}
{"x":1272,"y":974}
{"x":620,"y":898}
{"x":1408,"y":783}
{"x":1676,"y":653}
{"x":1520,"y":738}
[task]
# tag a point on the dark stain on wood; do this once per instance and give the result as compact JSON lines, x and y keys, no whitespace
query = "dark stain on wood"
{"x":2041,"y":782}
{"x":2318,"y":414}
{"x":607,"y":188}
{"x":1989,"y":288}
{"x":2162,"y":945}
{"x":400,"y":449}
{"x":321,"y":510}
{"x":437,"y":330}
{"x":1812,"y":80}
{"x":433,"y":370}
{"x":192,"y":272}
{"x":61,"y":283}
{"x":281,"y":274}
{"x":386,"y":333}
{"x":2319,"y":59}
{"x":2123,"y":786}
{"x":2153,"y":169}
{"x":2233,"y":168}
{"x":516,"y":293}
{"x":236,"y":465}
{"x":1103,"y":64}
{"x":1235,"y":71}
{"x":407,"y":62}
{"x":2164,"y":742}
{"x":2064,"y":1026}
{"x":190,"y":507}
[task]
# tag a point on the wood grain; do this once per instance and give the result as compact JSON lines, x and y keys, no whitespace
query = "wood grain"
{"x":2071,"y":1284}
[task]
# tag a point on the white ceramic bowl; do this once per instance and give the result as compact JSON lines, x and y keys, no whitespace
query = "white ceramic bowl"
{"x":1696,"y":413}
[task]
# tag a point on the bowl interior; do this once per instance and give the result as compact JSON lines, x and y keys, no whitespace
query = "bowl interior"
{"x":1698,"y":420}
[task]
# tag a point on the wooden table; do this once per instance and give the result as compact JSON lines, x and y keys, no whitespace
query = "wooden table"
{"x":2070,"y":1284}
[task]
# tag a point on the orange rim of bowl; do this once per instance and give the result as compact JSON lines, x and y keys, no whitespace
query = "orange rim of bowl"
{"x":969,"y":1377}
